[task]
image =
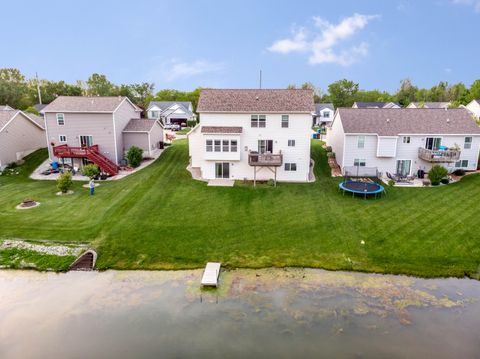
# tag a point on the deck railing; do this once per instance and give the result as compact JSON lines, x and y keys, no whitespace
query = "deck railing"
{"x":440,"y":156}
{"x":68,"y":151}
{"x":265,"y":159}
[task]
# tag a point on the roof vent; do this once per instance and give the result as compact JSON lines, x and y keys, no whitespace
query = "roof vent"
{"x":448,"y":120}
{"x":388,"y":120}
{"x":256,"y":98}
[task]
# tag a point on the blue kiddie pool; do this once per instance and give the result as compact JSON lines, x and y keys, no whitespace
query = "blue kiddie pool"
{"x":362,"y":188}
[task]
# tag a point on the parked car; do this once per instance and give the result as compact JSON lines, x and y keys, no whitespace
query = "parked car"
{"x":176,"y":127}
{"x":168,"y":126}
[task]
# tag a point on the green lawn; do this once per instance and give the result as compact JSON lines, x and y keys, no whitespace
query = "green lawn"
{"x":159,"y":218}
{"x":183,"y":131}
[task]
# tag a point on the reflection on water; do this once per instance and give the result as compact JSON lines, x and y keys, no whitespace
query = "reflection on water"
{"x":255,"y":313}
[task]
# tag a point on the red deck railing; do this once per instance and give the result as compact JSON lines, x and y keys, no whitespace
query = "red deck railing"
{"x":91,"y":153}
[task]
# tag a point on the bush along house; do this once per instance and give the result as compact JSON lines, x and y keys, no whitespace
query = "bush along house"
{"x":98,"y":130}
{"x":253,"y":134}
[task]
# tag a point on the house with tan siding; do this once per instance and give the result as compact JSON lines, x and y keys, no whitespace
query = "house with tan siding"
{"x":403,"y":141}
{"x":20,"y":134}
{"x":253,"y":134}
{"x":91,"y":129}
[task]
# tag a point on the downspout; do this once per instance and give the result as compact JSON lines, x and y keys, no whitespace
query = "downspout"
{"x":115,"y":138}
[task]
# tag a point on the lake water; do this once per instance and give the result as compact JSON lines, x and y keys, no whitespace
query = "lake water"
{"x":269,"y":313}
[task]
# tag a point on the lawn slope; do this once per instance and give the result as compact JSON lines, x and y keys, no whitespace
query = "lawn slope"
{"x":159,"y":218}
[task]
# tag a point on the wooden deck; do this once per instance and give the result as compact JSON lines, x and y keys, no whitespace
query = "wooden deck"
{"x":211,"y":274}
{"x":265,"y":159}
{"x":438,"y":156}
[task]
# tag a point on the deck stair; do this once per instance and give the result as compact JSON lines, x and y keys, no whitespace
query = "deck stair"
{"x":91,"y":153}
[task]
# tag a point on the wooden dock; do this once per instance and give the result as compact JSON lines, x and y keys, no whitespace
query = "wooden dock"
{"x":211,"y":274}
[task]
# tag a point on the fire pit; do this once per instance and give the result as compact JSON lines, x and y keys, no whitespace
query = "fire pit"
{"x":28,"y":203}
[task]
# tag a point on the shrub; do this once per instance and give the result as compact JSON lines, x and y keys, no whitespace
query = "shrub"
{"x":331,"y":154}
{"x":64,"y":182}
{"x":391,"y":183}
{"x":91,"y":170}
{"x":445,"y":181}
{"x":328,"y":148}
{"x":436,"y":174}
{"x":191,"y":123}
{"x":459,"y":172}
{"x":134,"y":156}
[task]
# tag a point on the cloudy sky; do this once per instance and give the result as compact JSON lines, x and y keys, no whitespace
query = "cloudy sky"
{"x":186,"y":44}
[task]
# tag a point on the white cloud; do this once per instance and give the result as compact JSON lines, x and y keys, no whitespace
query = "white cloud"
{"x":473,"y":3}
{"x":322,"y":45}
{"x":175,"y":69}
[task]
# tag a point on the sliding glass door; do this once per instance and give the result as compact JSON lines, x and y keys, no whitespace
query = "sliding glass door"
{"x":404,"y":167}
{"x":222,"y":170}
{"x":433,"y":143}
{"x":265,"y":146}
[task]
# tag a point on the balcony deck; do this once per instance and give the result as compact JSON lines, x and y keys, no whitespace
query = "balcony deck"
{"x":438,"y":156}
{"x":265,"y":159}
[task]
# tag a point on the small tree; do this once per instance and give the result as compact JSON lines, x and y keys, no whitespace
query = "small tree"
{"x":436,"y":174}
{"x":134,"y":156}
{"x":91,"y":170}
{"x":64,"y":182}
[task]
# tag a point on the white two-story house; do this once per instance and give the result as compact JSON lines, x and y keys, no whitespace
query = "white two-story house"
{"x":403,"y":141}
{"x":171,"y":112}
{"x":323,"y":115}
{"x":253,"y":134}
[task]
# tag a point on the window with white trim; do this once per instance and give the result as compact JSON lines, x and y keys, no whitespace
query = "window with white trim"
{"x":217,"y":145}
{"x":361,"y":142}
{"x":225,"y":146}
{"x":461,"y":164}
{"x":326,"y":114}
{"x":209,"y":145}
{"x":284,"y":121}
{"x":406,"y":139}
{"x":233,"y":145}
{"x":62,"y":138}
{"x":290,"y":166}
{"x":60,"y":119}
{"x":360,"y":162}
{"x":291,"y":143}
{"x":468,"y":143}
{"x":258,"y":121}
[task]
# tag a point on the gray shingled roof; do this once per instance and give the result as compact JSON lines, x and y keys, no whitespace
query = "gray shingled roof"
{"x":84,"y":104}
{"x":392,"y":122}
{"x":37,"y":119}
{"x":221,"y":129}
{"x":432,"y":104}
{"x":40,"y":106}
{"x":321,"y":106}
{"x":256,"y":100}
{"x":163,"y":105}
{"x":139,"y":125}
{"x":7,"y":115}
{"x":361,"y":104}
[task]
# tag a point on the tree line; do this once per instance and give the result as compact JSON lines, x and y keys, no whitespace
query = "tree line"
{"x":343,"y":93}
{"x":19,"y":92}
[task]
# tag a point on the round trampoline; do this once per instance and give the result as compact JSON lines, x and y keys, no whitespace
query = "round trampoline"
{"x":361,"y":188}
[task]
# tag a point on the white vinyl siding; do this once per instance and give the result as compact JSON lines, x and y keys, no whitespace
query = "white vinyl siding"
{"x":386,"y":146}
